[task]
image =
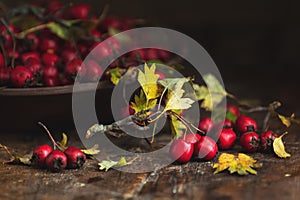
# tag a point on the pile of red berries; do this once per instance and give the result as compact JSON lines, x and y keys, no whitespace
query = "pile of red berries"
{"x":44,"y":58}
{"x":204,"y":147}
{"x":45,"y":156}
{"x":55,"y":160}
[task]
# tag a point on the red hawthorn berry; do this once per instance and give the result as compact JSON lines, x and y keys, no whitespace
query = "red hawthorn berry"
{"x":21,"y":76}
{"x":49,"y":59}
{"x":244,"y":124}
{"x":75,"y":157}
{"x":181,"y":151}
{"x":226,"y":139}
{"x":93,"y":71}
{"x":31,"y":54}
{"x":79,"y":11}
{"x":233,"y":109}
{"x":40,"y":154}
{"x":266,"y":140}
{"x":56,"y":161}
{"x":250,"y":141}
{"x":206,"y":148}
{"x":206,"y":124}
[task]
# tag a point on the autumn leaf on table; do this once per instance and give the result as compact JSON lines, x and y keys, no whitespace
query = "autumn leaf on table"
{"x":148,"y":81}
{"x":107,"y":164}
{"x":279,"y":148}
{"x":175,"y":101}
{"x":14,"y":159}
{"x":242,"y":164}
{"x":91,"y":151}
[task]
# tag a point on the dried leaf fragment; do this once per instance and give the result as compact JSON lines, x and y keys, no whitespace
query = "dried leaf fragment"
{"x":279,"y":148}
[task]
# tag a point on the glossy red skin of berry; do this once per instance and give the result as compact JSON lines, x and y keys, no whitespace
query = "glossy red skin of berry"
{"x":227,"y":138}
{"x":49,"y":59}
{"x":4,"y":76}
{"x":31,"y":54}
{"x":40,"y":154}
{"x":21,"y":76}
{"x":206,"y":148}
{"x":234,"y":109}
{"x":244,"y":123}
{"x":191,"y":138}
{"x":181,"y":151}
{"x":2,"y":61}
{"x":250,"y":141}
{"x":227,"y":123}
{"x":76,"y":158}
{"x":67,"y":55}
{"x":102,"y":52}
{"x":93,"y":71}
{"x":48,"y":43}
{"x":50,"y":72}
{"x":79,"y":11}
{"x":206,"y":124}
{"x":163,"y":55}
{"x":266,"y":139}
{"x":73,"y":67}
{"x":33,"y":65}
{"x":152,"y":54}
{"x":114,"y":44}
{"x":56,"y":161}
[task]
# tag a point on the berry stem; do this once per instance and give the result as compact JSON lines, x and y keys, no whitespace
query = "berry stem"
{"x":13,"y":40}
{"x":55,"y":145}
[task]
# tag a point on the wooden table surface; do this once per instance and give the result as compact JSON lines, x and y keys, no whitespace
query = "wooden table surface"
{"x":277,"y":179}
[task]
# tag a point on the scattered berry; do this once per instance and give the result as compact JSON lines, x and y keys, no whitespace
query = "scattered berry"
{"x":250,"y":141}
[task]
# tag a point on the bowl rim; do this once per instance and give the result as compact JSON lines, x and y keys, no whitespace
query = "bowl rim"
{"x":57,"y":90}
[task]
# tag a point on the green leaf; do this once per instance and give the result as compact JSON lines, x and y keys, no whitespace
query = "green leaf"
{"x":148,"y":81}
{"x":175,"y":101}
{"x":115,"y":75}
{"x":232,"y":117}
{"x":141,"y":104}
{"x":170,"y":82}
{"x":107,"y":164}
{"x":91,"y":151}
{"x":59,"y":30}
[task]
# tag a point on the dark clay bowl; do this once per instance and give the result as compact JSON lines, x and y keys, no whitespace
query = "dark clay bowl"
{"x":22,"y":108}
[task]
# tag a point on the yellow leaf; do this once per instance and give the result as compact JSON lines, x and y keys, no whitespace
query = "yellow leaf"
{"x":141,"y":103}
{"x":148,"y":81}
{"x":279,"y":148}
{"x":175,"y":101}
{"x":92,"y":151}
{"x":284,"y":120}
{"x":64,"y":141}
{"x":242,"y":164}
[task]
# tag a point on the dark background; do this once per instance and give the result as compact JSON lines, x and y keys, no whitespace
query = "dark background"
{"x":254,"y":43}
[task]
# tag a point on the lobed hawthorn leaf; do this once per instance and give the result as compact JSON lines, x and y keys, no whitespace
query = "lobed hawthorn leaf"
{"x":211,"y":95}
{"x":174,"y":100}
{"x":148,"y":81}
{"x":107,"y":164}
{"x":60,"y":30}
{"x":142,"y":104}
{"x":229,"y":115}
{"x":242,"y":164}
{"x":177,"y":127}
{"x":115,"y":75}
